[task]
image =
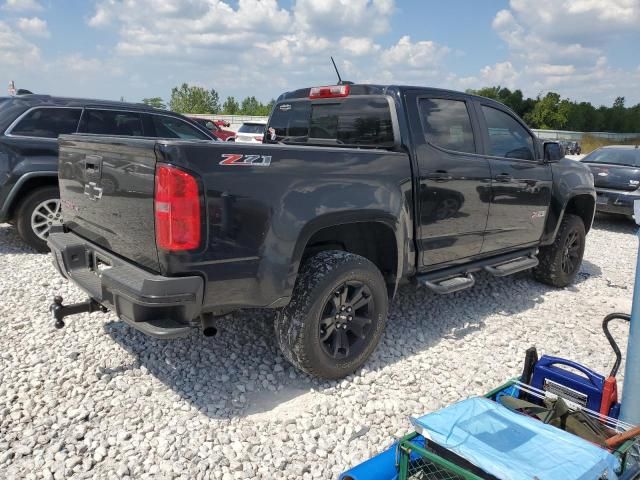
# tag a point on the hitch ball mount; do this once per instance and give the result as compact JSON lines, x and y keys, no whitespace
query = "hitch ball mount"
{"x":59,"y":311}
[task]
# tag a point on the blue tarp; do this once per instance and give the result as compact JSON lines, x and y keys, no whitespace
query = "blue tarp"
{"x":512,"y":446}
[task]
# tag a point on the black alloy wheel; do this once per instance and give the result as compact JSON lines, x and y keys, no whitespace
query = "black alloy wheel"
{"x":346,"y":320}
{"x":336,"y":315}
{"x":572,"y":253}
{"x":560,"y":261}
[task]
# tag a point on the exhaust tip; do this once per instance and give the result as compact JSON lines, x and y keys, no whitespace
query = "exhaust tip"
{"x":210,"y":331}
{"x":209,"y":328}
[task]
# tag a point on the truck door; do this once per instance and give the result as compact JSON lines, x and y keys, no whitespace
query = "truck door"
{"x":521,"y":182}
{"x":452,"y":212}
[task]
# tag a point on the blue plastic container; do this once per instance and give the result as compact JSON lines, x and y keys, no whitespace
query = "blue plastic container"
{"x":584,"y":390}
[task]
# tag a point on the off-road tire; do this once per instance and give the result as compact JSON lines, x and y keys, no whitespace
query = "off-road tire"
{"x":25,"y":210}
{"x":298,"y":325}
{"x":549,"y":270}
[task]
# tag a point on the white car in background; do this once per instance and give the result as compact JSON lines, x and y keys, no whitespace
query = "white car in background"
{"x":251,"y":132}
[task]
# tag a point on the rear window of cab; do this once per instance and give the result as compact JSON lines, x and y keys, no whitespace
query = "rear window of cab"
{"x":358,"y":121}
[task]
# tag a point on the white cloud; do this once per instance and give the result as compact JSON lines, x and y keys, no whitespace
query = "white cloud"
{"x":34,"y":26}
{"x":335,"y":17}
{"x":358,"y":46}
{"x":552,"y":70}
{"x":79,"y":64}
{"x":22,"y":5}
{"x":418,"y":55}
{"x":500,"y":74}
{"x":16,"y":51}
{"x":562,"y":45}
{"x":261,"y":41}
{"x":577,"y":21}
{"x":263,"y":47}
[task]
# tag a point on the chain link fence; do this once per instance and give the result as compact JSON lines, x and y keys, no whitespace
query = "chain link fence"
{"x":577,"y":136}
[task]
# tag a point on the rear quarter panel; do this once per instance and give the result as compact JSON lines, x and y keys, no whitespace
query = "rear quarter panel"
{"x":259,"y":218}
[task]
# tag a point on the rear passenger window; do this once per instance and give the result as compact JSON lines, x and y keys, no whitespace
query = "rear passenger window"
{"x":171,"y":127}
{"x":48,"y":122}
{"x":447,"y":124}
{"x":353,"y":121}
{"x":290,"y":121}
{"x":114,"y":122}
{"x":507,"y":138}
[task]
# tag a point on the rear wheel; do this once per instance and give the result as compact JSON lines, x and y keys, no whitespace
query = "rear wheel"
{"x":336,"y":315}
{"x":561,"y":261}
{"x":35,"y":216}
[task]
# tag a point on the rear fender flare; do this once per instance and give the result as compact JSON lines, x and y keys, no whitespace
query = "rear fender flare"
{"x":12,"y":197}
{"x":351,"y":217}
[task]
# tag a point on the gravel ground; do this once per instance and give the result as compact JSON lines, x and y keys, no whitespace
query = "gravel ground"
{"x":99,"y":400}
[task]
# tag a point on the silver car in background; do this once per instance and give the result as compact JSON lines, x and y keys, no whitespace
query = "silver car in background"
{"x":251,"y":132}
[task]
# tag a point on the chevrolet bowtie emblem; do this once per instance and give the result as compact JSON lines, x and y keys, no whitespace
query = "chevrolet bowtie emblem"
{"x":92,"y":191}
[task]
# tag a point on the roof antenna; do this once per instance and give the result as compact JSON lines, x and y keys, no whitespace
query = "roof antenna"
{"x":337,"y":72}
{"x":340,"y":81}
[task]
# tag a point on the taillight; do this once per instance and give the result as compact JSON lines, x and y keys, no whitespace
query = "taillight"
{"x":331,"y":91}
{"x":177,"y":209}
{"x":258,"y":138}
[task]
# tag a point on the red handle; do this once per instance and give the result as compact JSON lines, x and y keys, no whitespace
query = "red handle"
{"x":622,"y":437}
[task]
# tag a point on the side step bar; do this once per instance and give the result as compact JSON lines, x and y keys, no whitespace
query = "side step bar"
{"x":460,"y":277}
{"x":450,"y":285}
{"x":513,"y":266}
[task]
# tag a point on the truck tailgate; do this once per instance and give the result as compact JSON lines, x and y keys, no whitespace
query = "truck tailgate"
{"x":106,"y":189}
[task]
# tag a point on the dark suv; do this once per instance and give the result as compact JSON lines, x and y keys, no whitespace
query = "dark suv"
{"x":29,"y":129}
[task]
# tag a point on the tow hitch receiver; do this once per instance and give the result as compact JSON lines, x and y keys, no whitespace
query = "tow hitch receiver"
{"x":59,"y":311}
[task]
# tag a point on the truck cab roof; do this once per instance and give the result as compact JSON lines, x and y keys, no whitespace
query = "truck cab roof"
{"x":379,"y":89}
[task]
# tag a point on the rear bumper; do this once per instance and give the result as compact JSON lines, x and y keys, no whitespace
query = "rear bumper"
{"x":163,"y":307}
{"x":616,"y":201}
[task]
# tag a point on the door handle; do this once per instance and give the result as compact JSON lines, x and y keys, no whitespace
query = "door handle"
{"x":503,"y":177}
{"x":439,"y":176}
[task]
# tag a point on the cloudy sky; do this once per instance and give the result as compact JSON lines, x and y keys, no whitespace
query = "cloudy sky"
{"x":583,"y":49}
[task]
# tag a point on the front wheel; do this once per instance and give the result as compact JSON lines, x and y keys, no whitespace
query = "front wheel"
{"x":36,"y":214}
{"x":561,"y":261}
{"x":336,"y":315}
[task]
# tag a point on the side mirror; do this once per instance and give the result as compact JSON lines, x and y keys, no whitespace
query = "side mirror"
{"x":553,"y":151}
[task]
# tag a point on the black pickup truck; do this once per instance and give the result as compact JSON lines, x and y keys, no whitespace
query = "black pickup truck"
{"x":356,"y":189}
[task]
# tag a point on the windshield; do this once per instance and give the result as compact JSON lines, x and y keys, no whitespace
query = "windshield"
{"x":257,"y":128}
{"x":616,"y":156}
{"x":358,"y":121}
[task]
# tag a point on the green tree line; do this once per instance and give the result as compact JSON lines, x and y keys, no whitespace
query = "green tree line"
{"x":550,"y":111}
{"x":553,"y":112}
{"x":193,"y":99}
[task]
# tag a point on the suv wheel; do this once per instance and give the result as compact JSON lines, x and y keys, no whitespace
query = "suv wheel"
{"x":36,"y":214}
{"x":336,"y":315}
{"x":560,"y":261}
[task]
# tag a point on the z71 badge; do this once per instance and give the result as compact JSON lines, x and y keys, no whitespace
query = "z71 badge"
{"x":237,"y":159}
